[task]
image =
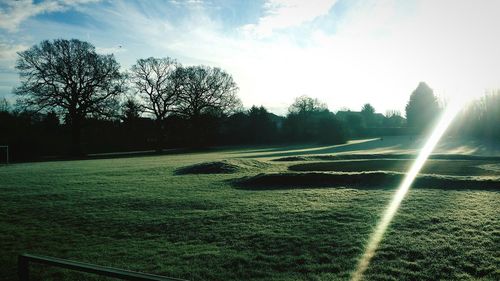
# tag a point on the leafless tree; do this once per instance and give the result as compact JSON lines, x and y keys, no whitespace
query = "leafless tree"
{"x":204,"y":90}
{"x":69,"y":77}
{"x":305,"y":104}
{"x":152,"y":80}
{"x":393,"y":113}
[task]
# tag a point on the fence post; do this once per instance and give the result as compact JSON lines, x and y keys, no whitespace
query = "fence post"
{"x":23,"y":268}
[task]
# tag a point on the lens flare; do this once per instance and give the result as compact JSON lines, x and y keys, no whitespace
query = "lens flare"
{"x":446,"y":119}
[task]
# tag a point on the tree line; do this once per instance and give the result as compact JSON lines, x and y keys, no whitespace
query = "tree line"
{"x":73,"y":101}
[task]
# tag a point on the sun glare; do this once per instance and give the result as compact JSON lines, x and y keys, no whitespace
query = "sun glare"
{"x":446,"y":119}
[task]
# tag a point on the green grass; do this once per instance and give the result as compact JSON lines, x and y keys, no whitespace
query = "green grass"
{"x":138,"y":214}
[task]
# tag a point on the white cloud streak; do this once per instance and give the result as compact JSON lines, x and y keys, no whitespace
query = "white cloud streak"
{"x":110,"y":50}
{"x":282,"y":14}
{"x":16,"y":12}
{"x":8,"y":52}
{"x":378,"y":53}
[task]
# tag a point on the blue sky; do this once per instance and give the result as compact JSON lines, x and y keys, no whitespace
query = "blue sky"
{"x":345,"y":53}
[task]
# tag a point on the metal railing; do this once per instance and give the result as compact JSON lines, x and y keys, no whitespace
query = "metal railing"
{"x":25,"y":259}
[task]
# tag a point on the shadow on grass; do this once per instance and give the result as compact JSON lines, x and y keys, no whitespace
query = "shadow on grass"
{"x":115,"y":155}
{"x":363,"y":180}
{"x":431,"y":167}
{"x":276,"y":148}
{"x":392,"y":144}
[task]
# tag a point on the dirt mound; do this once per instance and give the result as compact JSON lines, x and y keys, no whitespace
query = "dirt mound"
{"x":360,"y":180}
{"x":222,"y":167}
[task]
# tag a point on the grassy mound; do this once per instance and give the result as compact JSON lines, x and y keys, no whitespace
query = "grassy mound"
{"x":293,"y":159}
{"x":250,"y":164}
{"x":361,"y":180}
{"x":116,"y":212}
{"x":385,"y":156}
{"x":217,"y":167}
{"x":436,"y":167}
{"x":222,"y":167}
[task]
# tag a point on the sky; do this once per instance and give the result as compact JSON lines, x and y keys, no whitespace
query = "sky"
{"x":343,"y":52}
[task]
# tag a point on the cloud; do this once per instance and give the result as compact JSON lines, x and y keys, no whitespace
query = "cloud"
{"x":13,"y":13}
{"x":9,"y":51}
{"x":110,"y":50}
{"x":378,"y":52}
{"x":8,"y":74}
{"x":8,"y":56}
{"x":281,"y":14}
{"x":187,"y":2}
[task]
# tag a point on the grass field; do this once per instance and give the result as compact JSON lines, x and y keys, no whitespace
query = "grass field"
{"x":159,"y":215}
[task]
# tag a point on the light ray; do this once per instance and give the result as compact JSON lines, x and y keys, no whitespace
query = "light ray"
{"x":443,"y":124}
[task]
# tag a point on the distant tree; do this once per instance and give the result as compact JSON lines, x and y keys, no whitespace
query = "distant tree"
{"x":70,"y":78}
{"x":4,"y":105}
{"x":300,"y":124}
{"x":422,"y":109}
{"x":260,"y":126}
{"x":392,"y":112}
{"x":354,"y":124}
{"x":393,"y":119}
{"x":309,"y":120}
{"x":482,"y":118}
{"x":330,"y":129}
{"x":152,"y":78}
{"x":368,"y":113}
{"x":235,"y":129}
{"x":206,"y":94}
{"x":305,"y":104}
{"x":204,"y":89}
{"x":368,"y":109}
{"x":131,"y":110}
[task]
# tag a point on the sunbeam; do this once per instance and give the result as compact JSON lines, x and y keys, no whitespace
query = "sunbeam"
{"x":446,"y":119}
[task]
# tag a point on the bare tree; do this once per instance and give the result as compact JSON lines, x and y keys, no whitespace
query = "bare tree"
{"x":305,"y":104}
{"x":206,"y":93}
{"x":393,"y":113}
{"x":204,"y":90}
{"x":70,"y":78}
{"x":152,"y":79}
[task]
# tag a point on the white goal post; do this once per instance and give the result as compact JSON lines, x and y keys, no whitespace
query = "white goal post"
{"x":5,"y":155}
